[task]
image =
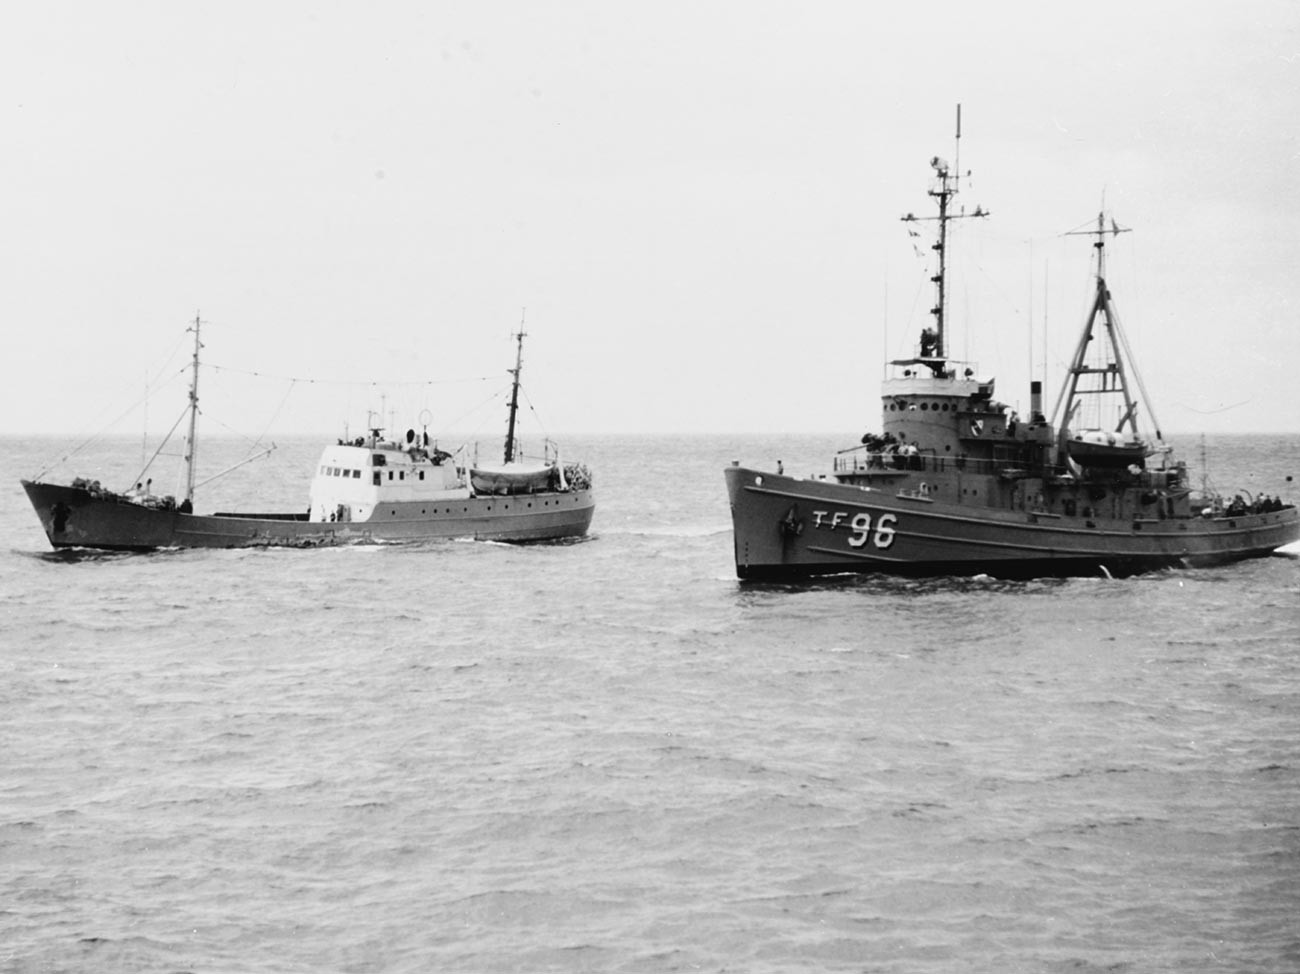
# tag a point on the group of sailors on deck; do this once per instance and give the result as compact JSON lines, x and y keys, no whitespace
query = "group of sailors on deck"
{"x":889,"y":450}
{"x":1260,"y":505}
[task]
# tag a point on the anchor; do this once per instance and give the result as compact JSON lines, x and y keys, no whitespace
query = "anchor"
{"x":791,"y":525}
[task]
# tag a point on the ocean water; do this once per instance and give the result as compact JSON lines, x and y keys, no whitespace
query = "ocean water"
{"x":610,"y":756}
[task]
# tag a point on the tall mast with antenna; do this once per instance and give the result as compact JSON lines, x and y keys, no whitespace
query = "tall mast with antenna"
{"x":934,"y":346}
{"x":194,"y":415}
{"x":514,"y":390}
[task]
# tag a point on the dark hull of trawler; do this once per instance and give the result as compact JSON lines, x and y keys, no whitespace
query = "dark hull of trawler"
{"x":74,"y":517}
{"x":787,"y":528}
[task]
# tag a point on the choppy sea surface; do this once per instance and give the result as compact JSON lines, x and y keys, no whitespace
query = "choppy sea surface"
{"x":611,"y":756}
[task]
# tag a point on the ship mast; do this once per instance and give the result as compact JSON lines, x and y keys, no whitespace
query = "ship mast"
{"x":934,"y":342}
{"x":944,"y":195}
{"x":1112,"y":374}
{"x":194,"y":415}
{"x":514,"y":392}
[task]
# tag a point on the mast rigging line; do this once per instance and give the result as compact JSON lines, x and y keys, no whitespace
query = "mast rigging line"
{"x":165,"y":440}
{"x":348,"y":382}
{"x":533,"y":409}
{"x":274,"y":416}
{"x":99,"y":434}
{"x":480,"y":407}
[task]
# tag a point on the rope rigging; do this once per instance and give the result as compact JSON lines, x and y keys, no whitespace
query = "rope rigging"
{"x":406,"y":391}
{"x":400,"y":383}
{"x":103,"y":430}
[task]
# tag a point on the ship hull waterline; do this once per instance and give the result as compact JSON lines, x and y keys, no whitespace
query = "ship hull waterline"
{"x":788,"y":528}
{"x":73,"y":517}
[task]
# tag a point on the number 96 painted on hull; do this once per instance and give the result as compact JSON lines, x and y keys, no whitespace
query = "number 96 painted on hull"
{"x":860,"y":527}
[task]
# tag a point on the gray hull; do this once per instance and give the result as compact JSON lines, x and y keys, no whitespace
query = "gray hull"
{"x":787,"y":528}
{"x":73,"y":517}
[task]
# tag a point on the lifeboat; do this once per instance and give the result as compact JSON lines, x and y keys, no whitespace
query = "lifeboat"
{"x":1101,"y":448}
{"x":513,"y":478}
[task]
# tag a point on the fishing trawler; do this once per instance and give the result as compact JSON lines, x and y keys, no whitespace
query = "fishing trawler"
{"x":367,"y":489}
{"x":957,"y":484}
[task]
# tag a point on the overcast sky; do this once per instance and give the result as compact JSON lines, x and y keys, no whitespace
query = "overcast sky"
{"x":698,"y":204}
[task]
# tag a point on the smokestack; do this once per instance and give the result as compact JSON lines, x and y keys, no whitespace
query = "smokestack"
{"x":1036,"y":402}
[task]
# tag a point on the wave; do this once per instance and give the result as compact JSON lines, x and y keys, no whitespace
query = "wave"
{"x":670,"y":531}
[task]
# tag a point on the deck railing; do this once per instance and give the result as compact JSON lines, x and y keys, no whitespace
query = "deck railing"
{"x":860,"y":460}
{"x":1005,"y":463}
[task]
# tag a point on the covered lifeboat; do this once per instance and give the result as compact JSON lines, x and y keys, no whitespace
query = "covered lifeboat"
{"x":1102,"y":448}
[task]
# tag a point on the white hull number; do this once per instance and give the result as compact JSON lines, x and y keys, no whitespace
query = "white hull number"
{"x":860,"y":526}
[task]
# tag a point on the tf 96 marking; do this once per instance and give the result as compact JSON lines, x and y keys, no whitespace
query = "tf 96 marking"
{"x":860,"y":527}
